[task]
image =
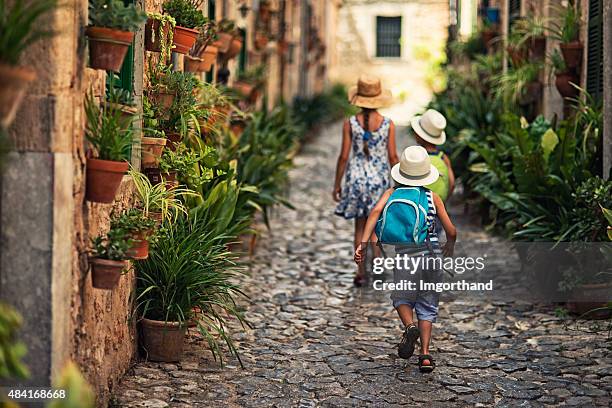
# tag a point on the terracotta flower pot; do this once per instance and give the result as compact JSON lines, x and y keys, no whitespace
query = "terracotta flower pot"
{"x":157,"y":217}
{"x":537,"y":46}
{"x":261,"y":40}
{"x":487,"y":37}
{"x":572,"y":53}
{"x":163,"y":99}
{"x":209,"y":57}
{"x":517,"y":55}
{"x":13,"y":84}
{"x":105,"y":273}
{"x":163,"y":341}
{"x":234,"y":48}
{"x":532,"y":93}
{"x":152,"y":37}
{"x":184,"y":38}
{"x":107,"y":47}
{"x":193,"y":64}
{"x":243,"y":88}
{"x":103,"y":178}
{"x":564,"y":86}
{"x":140,"y":245}
{"x":152,"y":149}
{"x":224,"y":41}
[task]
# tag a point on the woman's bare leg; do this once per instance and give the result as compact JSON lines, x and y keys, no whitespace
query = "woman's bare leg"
{"x":359,"y":227}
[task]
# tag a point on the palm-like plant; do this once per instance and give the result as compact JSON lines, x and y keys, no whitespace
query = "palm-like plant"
{"x":190,"y":276}
{"x":566,"y":28}
{"x":105,"y":130}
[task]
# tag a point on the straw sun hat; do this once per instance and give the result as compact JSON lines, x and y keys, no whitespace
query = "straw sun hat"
{"x":368,"y":93}
{"x":415,"y":168}
{"x":430,"y":127}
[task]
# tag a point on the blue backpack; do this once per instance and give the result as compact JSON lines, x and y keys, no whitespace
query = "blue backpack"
{"x":404,"y":218}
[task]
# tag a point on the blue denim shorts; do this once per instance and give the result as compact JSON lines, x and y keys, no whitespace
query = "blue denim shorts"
{"x":424,"y":310}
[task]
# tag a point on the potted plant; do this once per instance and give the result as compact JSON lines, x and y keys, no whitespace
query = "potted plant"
{"x":567,"y":32}
{"x":159,"y":34}
{"x":18,"y":30}
{"x":250,"y":82}
{"x":188,"y":16}
{"x":261,"y":39}
{"x":110,"y":32}
{"x":139,"y":229}
{"x":158,"y":201}
{"x":564,"y":78}
{"x":153,"y":140}
{"x":122,"y":100}
{"x":516,"y":49}
{"x":531,"y":31}
{"x":213,"y":106}
{"x":204,"y":52}
{"x":226,"y":33}
{"x":188,"y":278}
{"x":108,"y":259}
{"x":519,"y":85}
{"x":111,"y":145}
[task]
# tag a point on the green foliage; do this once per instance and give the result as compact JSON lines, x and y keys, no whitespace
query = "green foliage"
{"x":228,"y":26}
{"x":151,"y":123}
{"x":165,"y":40}
{"x":472,"y":47}
{"x":11,"y":350}
{"x":510,"y":86}
{"x":185,"y":12}
{"x":530,"y":27}
{"x":20,"y":27}
{"x":566,"y":28}
{"x":190,"y":267}
{"x":115,"y":14}
{"x":255,"y":75}
{"x":589,"y":198}
{"x":186,"y":163}
{"x":323,"y":108}
{"x":79,"y":393}
{"x":105,"y":132}
{"x":206,"y":36}
{"x":132,"y":220}
{"x":113,"y":246}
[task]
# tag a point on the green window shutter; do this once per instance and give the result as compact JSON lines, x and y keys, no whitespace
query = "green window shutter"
{"x":212,"y":13}
{"x":594,"y":71}
{"x":125,"y":79}
{"x":242,"y":57}
{"x":514,"y":12}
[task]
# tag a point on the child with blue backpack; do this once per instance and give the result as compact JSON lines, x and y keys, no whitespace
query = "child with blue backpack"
{"x":406,"y":216}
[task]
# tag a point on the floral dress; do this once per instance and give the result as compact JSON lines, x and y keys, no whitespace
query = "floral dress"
{"x":366,"y":178}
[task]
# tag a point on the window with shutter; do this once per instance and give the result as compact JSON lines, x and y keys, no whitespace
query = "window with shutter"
{"x":594,"y":71}
{"x":212,"y":15}
{"x":514,"y":12}
{"x":125,"y":79}
{"x":388,"y":37}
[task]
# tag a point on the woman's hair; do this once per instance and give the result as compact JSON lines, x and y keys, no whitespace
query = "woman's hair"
{"x":366,"y":127}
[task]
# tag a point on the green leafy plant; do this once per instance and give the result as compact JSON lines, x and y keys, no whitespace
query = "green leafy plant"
{"x":330,"y":105}
{"x":189,"y":268}
{"x":11,"y":350}
{"x":79,"y":393}
{"x":557,"y":62}
{"x":255,"y":75}
{"x":159,"y":198}
{"x":186,"y":12}
{"x":186,"y":163}
{"x":165,"y":39}
{"x":20,"y":27}
{"x":113,"y":246}
{"x":589,"y":198}
{"x":566,"y":27}
{"x":132,"y":220}
{"x":105,"y":132}
{"x":510,"y":87}
{"x":530,"y":27}
{"x":228,"y":26}
{"x":207,"y":34}
{"x":115,"y":14}
{"x":151,"y":125}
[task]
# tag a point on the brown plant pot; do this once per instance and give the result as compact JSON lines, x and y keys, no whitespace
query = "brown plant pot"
{"x":152,"y":37}
{"x":564,"y":86}
{"x":209,"y":57}
{"x":13,"y":84}
{"x":154,"y":175}
{"x":193,"y":64}
{"x":234,"y":48}
{"x":169,"y":177}
{"x":157,"y":217}
{"x":163,"y":341}
{"x":184,"y":38}
{"x":572,"y":53}
{"x":237,"y":127}
{"x":108,"y":47}
{"x":592,"y":291}
{"x":518,"y":56}
{"x":140,"y":245}
{"x":105,"y":273}
{"x":103,"y":178}
{"x":254,"y":95}
{"x":488,"y":36}
{"x":174,"y":138}
{"x":163,"y":99}
{"x":537,"y":46}
{"x":243,"y":88}
{"x":260,"y":41}
{"x":533,"y":92}
{"x":152,"y":149}
{"x":224,"y":42}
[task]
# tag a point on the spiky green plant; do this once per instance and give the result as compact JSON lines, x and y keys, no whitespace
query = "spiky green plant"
{"x":116,"y":14}
{"x":105,"y":130}
{"x":566,"y":27}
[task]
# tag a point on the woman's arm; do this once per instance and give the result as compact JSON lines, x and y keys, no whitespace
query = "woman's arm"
{"x":449,"y":228}
{"x":371,"y":223}
{"x":451,"y":174}
{"x":342,"y":159}
{"x":391,"y":146}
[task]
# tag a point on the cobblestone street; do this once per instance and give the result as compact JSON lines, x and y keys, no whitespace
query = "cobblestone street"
{"x":317,"y":341}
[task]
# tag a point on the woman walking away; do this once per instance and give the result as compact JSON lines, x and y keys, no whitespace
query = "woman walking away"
{"x":368,"y":147}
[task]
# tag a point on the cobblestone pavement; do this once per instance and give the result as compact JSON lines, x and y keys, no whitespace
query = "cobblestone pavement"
{"x":317,"y":341}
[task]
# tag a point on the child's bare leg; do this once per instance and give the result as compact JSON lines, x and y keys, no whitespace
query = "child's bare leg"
{"x":405,"y":314}
{"x":425,"y":329}
{"x":377,"y":251}
{"x":359,"y":227}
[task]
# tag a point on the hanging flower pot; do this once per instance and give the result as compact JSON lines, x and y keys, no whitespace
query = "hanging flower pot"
{"x":163,"y":341}
{"x":234,"y":48}
{"x":154,"y":37}
{"x":261,"y":40}
{"x":103,"y":178}
{"x":209,"y":57}
{"x":152,"y":148}
{"x":572,"y":53}
{"x":13,"y":84}
{"x":563,"y":82}
{"x":518,"y":56}
{"x":224,"y":41}
{"x":193,"y":64}
{"x":264,"y":11}
{"x":140,"y":245}
{"x":163,"y":99}
{"x":184,"y":38}
{"x":108,"y":47}
{"x":243,"y":88}
{"x":105,"y":273}
{"x":537,"y":46}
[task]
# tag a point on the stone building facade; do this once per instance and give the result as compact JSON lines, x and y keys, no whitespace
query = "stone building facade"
{"x":45,"y":223}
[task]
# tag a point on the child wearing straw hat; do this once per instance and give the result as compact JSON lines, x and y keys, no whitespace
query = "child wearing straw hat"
{"x":403,"y":208}
{"x":429,"y":132}
{"x":367,"y":154}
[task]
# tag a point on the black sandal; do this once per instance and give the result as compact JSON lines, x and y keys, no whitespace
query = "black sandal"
{"x":426,"y":368}
{"x":405,"y":348}
{"x":359,"y":281}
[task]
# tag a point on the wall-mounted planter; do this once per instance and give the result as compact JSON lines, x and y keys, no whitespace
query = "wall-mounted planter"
{"x":563,"y":83}
{"x":163,"y":341}
{"x":572,"y":53}
{"x":537,"y":46}
{"x":152,"y":149}
{"x":243,"y":88}
{"x":163,"y":99}
{"x":105,"y":273}
{"x":108,"y":47}
{"x":13,"y":84}
{"x":234,"y":49}
{"x":261,"y":40}
{"x":152,"y":38}
{"x":224,"y":42}
{"x":103,"y":178}
{"x":518,"y":56}
{"x":140,"y":245}
{"x":204,"y":63}
{"x":184,"y":38}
